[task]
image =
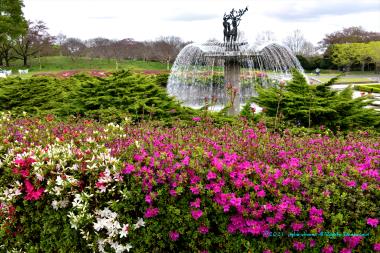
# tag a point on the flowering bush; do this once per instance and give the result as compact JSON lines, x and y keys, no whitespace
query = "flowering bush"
{"x":84,"y":186}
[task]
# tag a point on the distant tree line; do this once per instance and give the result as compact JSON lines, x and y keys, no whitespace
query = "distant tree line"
{"x":35,"y":41}
{"x":23,"y":40}
{"x":352,"y":48}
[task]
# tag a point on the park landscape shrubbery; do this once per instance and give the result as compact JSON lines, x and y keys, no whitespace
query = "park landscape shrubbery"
{"x":86,"y":186}
{"x":108,"y":99}
{"x":185,"y":180}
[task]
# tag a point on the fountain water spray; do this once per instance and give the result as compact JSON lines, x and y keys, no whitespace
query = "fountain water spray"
{"x":227,"y":72}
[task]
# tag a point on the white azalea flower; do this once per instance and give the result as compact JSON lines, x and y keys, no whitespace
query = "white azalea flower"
{"x":124,"y":231}
{"x":59,"y":181}
{"x":140,"y":223}
{"x":54,"y":204}
{"x":128,"y":247}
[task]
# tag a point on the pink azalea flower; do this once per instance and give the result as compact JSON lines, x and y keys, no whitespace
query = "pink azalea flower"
{"x":296,"y":226}
{"x":194,"y":190}
{"x":352,"y":241}
{"x":261,"y":194}
{"x":364,"y":186}
{"x":196,"y":203}
{"x":174,"y":235}
{"x":186,"y":161}
{"x":148,"y":199}
{"x":235,"y":201}
{"x":196,"y":214}
{"x":151,"y":212}
{"x":312,"y":243}
{"x":299,"y":246}
{"x":351,"y":183}
{"x":19,"y":161}
{"x":345,"y":250}
{"x":372,"y":222}
{"x":211,"y":175}
{"x":173,"y":192}
{"x":294,"y":162}
{"x":196,"y":119}
{"x":376,"y":247}
{"x":129,"y":168}
{"x":217,"y":164}
{"x":32,"y":194}
{"x":203,"y":229}
{"x":328,"y":249}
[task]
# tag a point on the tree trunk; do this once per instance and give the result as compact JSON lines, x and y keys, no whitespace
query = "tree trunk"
{"x":7,"y":61}
{"x":363,"y":65}
{"x":25,"y":59}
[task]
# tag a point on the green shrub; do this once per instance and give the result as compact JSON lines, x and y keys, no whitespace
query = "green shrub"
{"x":315,"y":105}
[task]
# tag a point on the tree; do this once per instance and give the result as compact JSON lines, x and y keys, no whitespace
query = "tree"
{"x":167,"y":48}
{"x":60,"y":39}
{"x":298,"y":44}
{"x":12,"y":24}
{"x":349,"y":35}
{"x":30,"y":43}
{"x":74,"y":47}
{"x":264,"y":37}
{"x":374,"y":48}
{"x":99,"y":47}
{"x":345,"y":55}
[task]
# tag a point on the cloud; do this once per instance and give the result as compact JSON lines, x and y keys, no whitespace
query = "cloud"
{"x":188,"y":16}
{"x":103,"y":17}
{"x":314,"y":10}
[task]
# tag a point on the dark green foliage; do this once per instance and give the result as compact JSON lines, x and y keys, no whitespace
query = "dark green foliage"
{"x":109,"y":99}
{"x":38,"y":95}
{"x":162,"y":80}
{"x":12,"y":22}
{"x":46,"y":230}
{"x":315,"y":105}
{"x":125,"y":93}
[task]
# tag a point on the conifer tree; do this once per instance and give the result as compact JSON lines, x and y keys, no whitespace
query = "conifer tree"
{"x":315,"y":105}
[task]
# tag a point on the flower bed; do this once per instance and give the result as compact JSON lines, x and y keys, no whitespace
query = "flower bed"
{"x":83,"y":186}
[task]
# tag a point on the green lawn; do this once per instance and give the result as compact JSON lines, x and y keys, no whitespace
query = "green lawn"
{"x":368,"y":87}
{"x":346,"y":80}
{"x":61,"y":63}
{"x":334,"y":72}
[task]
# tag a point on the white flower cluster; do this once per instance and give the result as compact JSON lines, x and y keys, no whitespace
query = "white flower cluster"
{"x":60,"y":204}
{"x":107,"y":220}
{"x":80,"y":204}
{"x":115,"y":245}
{"x":10,"y":193}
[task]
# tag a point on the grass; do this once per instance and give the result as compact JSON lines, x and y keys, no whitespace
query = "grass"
{"x":368,"y":87}
{"x":332,"y":72}
{"x":53,"y":64}
{"x":347,"y":80}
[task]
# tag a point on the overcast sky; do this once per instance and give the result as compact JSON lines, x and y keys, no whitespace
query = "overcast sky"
{"x":200,"y":20}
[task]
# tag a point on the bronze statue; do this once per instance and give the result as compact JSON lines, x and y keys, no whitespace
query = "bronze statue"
{"x":227,"y":28}
{"x":230,"y":35}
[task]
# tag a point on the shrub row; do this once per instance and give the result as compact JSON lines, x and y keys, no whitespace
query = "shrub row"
{"x":85,"y":187}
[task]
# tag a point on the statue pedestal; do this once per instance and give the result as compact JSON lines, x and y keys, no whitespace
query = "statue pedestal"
{"x":232,"y":83}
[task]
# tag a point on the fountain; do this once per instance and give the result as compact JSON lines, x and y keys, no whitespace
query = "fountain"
{"x":227,"y":72}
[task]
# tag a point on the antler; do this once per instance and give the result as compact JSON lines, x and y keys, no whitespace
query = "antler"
{"x":241,"y":12}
